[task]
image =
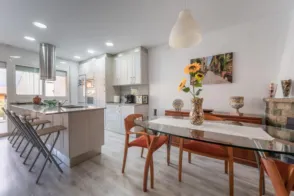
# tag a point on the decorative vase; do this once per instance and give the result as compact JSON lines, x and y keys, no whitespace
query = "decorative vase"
{"x":196,"y":113}
{"x":286,"y":87}
{"x":272,"y":90}
{"x":37,"y":100}
{"x":237,"y":102}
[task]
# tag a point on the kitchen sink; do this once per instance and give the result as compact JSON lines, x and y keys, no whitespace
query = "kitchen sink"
{"x":73,"y":106}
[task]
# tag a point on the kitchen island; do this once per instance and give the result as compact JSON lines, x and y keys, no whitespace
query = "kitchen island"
{"x":84,"y":135}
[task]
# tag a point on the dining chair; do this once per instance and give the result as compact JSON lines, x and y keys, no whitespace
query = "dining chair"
{"x":209,"y":150}
{"x":151,"y":142}
{"x":281,"y":175}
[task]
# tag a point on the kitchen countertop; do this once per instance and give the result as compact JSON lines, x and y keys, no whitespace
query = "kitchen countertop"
{"x":130,"y":104}
{"x":43,"y":109}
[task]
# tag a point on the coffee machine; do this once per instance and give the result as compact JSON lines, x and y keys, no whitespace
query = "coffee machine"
{"x":130,"y":98}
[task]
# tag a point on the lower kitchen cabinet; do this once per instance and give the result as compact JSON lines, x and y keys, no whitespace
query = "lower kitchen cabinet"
{"x":116,"y":113}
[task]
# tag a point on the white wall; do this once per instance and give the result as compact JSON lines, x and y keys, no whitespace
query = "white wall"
{"x":287,"y":60}
{"x":29,"y":58}
{"x":257,"y":46}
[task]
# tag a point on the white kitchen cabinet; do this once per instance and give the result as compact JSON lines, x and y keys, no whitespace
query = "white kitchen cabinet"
{"x":113,"y":118}
{"x":100,"y":70}
{"x":100,"y":82}
{"x":116,"y":113}
{"x":125,"y":111}
{"x":131,"y":68}
{"x":121,"y":70}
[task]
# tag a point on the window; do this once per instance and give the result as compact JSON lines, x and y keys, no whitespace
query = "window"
{"x":57,"y":88}
{"x":27,"y":81}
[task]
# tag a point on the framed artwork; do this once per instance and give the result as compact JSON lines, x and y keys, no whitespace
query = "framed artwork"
{"x":218,"y":69}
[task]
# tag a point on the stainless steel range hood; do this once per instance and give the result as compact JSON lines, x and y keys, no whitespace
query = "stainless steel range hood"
{"x":47,"y":57}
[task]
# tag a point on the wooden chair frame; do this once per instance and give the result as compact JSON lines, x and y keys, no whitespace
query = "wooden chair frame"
{"x":228,"y":161}
{"x":283,"y":185}
{"x":151,"y":145}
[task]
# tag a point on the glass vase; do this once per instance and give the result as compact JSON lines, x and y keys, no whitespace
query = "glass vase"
{"x":196,"y":113}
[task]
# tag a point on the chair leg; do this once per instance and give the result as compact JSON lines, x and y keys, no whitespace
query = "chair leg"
{"x":168,"y":154}
{"x":12,"y":133}
{"x":231,"y":171}
{"x":151,"y":173}
{"x":261,"y":179}
{"x":24,"y":149}
{"x":142,"y":152}
{"x":189,"y":157}
{"x":18,"y":146}
{"x":226,"y":167}
{"x":146,"y":169}
{"x":40,"y":151}
{"x":180,"y":159}
{"x":20,"y":134}
{"x":48,"y":157}
{"x":24,"y":162}
{"x":125,"y":158}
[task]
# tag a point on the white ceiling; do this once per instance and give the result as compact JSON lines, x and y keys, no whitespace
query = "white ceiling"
{"x":77,"y":25}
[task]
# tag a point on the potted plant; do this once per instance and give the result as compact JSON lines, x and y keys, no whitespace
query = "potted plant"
{"x":195,"y":88}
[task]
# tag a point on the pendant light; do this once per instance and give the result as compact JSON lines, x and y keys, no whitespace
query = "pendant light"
{"x":185,"y":33}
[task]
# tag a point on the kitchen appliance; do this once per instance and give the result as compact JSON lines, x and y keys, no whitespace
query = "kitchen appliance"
{"x":116,"y":99}
{"x":47,"y":56}
{"x":130,"y":98}
{"x":139,"y":99}
{"x":145,"y":99}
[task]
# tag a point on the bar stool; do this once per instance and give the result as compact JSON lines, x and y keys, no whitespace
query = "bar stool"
{"x":43,"y":148}
{"x":21,"y":129}
{"x":34,"y":137}
{"x":17,"y":133}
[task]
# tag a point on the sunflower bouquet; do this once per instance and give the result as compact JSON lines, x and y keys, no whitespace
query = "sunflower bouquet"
{"x":196,"y":80}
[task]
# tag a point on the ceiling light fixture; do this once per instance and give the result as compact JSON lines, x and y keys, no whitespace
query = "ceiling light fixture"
{"x":62,"y":62}
{"x":77,"y":57}
{"x":185,"y":33}
{"x":110,"y":44}
{"x":91,"y":51}
{"x":29,"y":38}
{"x":40,"y":25}
{"x":15,"y":57}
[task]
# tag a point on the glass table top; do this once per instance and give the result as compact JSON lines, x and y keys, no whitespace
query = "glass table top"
{"x":260,"y":138}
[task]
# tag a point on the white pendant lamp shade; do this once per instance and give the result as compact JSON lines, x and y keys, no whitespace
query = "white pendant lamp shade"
{"x":185,"y":32}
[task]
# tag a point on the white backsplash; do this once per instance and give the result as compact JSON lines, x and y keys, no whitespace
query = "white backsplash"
{"x":135,"y":90}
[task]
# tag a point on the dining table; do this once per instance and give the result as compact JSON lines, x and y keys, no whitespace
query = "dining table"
{"x":264,"y":140}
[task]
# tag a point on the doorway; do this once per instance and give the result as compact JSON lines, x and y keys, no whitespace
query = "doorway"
{"x":3,"y":99}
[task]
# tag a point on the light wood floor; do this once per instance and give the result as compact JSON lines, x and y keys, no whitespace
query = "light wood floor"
{"x":102,"y":175}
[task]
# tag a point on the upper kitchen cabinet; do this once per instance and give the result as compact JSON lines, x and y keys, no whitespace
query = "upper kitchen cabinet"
{"x":131,"y":67}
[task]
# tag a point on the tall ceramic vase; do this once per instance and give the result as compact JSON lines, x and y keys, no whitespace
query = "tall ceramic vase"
{"x":196,"y":113}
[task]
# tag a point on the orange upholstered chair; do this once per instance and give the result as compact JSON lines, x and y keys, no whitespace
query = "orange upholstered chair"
{"x":209,"y":150}
{"x":151,"y":142}
{"x":281,"y":175}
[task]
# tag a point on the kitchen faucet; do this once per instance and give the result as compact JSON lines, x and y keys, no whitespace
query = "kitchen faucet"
{"x":60,"y":104}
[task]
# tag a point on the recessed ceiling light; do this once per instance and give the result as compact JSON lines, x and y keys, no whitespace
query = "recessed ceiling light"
{"x":109,"y":44}
{"x":40,"y":25}
{"x":15,"y":57}
{"x":62,"y":62}
{"x":91,"y":51}
{"x":77,"y":57}
{"x":29,"y":38}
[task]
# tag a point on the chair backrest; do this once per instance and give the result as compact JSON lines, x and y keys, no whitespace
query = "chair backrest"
{"x":129,"y":121}
{"x":212,"y":117}
{"x":275,"y":176}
